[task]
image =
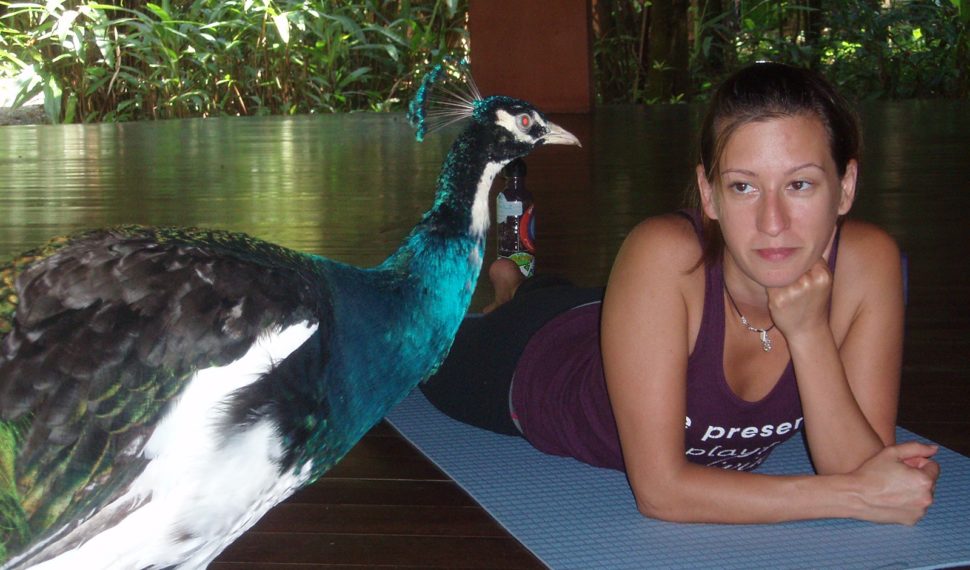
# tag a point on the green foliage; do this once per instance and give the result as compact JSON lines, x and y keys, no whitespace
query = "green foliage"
{"x":905,"y":50}
{"x":100,"y":62}
{"x":135,"y":59}
{"x":619,"y":43}
{"x":908,"y":52}
{"x":872,"y":49}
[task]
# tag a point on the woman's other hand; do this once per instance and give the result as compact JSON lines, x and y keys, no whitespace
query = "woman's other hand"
{"x":896,"y":485}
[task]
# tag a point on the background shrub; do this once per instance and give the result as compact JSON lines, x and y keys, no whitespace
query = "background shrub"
{"x":140,"y":60}
{"x":133,"y":59}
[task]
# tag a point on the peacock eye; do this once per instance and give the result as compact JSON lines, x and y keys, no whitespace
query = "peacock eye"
{"x":524,"y":121}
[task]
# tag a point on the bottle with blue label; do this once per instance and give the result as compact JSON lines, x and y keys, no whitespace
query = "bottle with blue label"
{"x":515,"y":219}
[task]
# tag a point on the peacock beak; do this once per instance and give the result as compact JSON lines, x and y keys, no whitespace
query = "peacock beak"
{"x":558,"y":135}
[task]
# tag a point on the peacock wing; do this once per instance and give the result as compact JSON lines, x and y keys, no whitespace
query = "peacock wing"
{"x":98,"y":332}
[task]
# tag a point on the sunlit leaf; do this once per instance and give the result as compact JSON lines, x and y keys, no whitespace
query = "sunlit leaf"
{"x":53,"y":6}
{"x":70,"y":108}
{"x":348,"y":24}
{"x":52,"y":100}
{"x":28,"y":84}
{"x":282,"y":26}
{"x":64,"y":23}
{"x":162,"y":14}
{"x":298,"y":20}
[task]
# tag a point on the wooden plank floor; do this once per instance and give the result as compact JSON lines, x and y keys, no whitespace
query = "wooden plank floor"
{"x":385,"y":506}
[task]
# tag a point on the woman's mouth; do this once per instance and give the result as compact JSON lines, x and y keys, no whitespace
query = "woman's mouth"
{"x":775,"y":254}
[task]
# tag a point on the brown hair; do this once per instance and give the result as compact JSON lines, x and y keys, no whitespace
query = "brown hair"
{"x":761,"y":92}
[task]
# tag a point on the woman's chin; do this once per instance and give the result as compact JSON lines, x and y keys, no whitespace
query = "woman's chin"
{"x":775,"y":275}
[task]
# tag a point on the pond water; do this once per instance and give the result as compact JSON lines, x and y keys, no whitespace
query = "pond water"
{"x":351,"y":186}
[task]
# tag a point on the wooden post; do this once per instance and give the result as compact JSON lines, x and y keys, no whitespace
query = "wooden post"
{"x":537,"y":50}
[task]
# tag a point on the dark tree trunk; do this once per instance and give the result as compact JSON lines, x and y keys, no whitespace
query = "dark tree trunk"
{"x":812,"y":26}
{"x":668,"y":75}
{"x":717,"y":28}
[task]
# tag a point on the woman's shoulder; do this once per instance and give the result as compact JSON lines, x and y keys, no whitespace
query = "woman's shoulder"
{"x":667,"y":239}
{"x":660,"y":253}
{"x":866,"y":249}
{"x":868,"y":273}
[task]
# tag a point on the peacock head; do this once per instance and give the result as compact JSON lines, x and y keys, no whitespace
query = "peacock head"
{"x":512,"y":127}
{"x":516,"y":127}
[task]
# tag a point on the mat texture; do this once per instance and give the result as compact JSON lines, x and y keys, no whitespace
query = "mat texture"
{"x":573,"y":516}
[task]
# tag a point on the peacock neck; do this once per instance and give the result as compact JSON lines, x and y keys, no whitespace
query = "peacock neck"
{"x":461,"y":208}
{"x":409,"y":308}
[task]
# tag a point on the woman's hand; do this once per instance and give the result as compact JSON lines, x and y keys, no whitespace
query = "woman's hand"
{"x":804,"y":304}
{"x":896,"y":485}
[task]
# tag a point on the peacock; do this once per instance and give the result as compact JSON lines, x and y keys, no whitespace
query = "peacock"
{"x":163,"y":388}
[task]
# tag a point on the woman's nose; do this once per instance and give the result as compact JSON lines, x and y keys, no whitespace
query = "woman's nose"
{"x":772,"y":213}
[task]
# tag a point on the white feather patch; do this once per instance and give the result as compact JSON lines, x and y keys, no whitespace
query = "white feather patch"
{"x":201,"y":489}
{"x":480,"y":210}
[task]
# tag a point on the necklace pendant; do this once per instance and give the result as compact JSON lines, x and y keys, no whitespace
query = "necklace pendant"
{"x":763,"y":333}
{"x":765,"y":341}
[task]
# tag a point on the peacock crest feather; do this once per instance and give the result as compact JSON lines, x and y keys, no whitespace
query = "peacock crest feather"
{"x":447,"y":94}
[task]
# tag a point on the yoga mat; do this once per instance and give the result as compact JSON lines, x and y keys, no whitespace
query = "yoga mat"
{"x":573,"y":516}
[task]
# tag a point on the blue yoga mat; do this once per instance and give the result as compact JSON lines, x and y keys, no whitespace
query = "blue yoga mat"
{"x":573,"y":516}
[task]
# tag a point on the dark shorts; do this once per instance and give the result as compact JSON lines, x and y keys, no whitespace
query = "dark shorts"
{"x":472,"y":384}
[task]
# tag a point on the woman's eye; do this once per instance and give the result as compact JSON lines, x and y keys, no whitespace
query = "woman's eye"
{"x":741,"y":187}
{"x":800,"y":185}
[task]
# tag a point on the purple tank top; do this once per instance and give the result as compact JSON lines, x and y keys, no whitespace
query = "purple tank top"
{"x":560,"y":399}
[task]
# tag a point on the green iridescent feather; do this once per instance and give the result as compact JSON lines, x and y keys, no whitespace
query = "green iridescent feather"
{"x":14,"y":529}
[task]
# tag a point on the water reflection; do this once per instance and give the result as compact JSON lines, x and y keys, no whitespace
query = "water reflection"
{"x":350,"y":186}
{"x":312,"y":183}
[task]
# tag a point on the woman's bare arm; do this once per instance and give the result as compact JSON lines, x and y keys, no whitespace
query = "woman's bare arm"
{"x":646,"y":341}
{"x":850,"y":393}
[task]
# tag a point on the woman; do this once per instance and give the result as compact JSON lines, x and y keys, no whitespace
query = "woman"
{"x":722,"y":333}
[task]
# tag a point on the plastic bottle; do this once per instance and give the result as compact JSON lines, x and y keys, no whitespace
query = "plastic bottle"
{"x":515,"y":219}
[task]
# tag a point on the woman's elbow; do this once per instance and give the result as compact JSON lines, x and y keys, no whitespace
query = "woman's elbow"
{"x":652,"y":511}
{"x":661,"y":505}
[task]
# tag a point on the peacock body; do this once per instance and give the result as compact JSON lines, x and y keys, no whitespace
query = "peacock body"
{"x":161,"y":389}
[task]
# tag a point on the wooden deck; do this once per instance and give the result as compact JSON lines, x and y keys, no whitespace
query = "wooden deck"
{"x":385,"y":506}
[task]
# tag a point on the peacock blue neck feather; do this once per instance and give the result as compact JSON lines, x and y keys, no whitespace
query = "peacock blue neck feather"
{"x":407,"y":311}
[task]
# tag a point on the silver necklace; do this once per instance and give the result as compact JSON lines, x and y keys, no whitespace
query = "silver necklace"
{"x":765,"y":341}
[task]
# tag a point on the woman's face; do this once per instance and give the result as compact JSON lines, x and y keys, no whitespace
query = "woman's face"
{"x":777,"y":197}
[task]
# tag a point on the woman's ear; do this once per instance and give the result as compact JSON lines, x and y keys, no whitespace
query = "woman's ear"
{"x":848,"y":187}
{"x":708,"y":201}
